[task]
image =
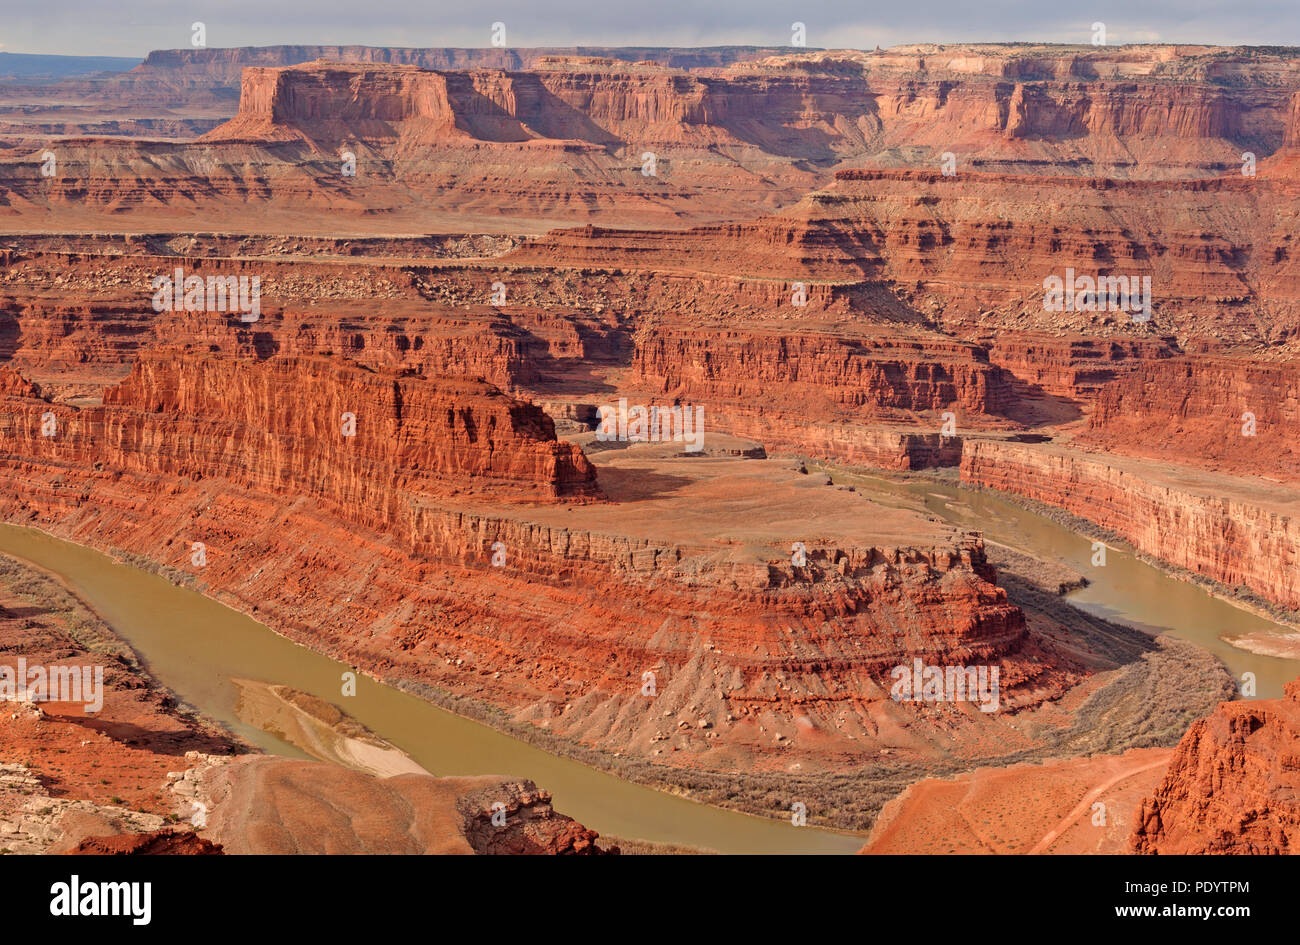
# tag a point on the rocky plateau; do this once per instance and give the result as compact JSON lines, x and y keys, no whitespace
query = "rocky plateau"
{"x":464,"y":259}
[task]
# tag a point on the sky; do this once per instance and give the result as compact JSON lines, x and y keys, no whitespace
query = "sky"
{"x":134,"y":27}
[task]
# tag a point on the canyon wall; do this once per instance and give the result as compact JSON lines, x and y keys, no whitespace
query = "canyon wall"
{"x":877,"y":376}
{"x":970,"y":253}
{"x":1248,"y":537}
{"x":1076,"y":367}
{"x":407,"y":433}
{"x":903,"y":449}
{"x":311,"y":426}
{"x":86,"y":331}
{"x":430,"y":550}
{"x":1232,"y":785}
{"x":1235,"y":414}
{"x":455,"y":547}
{"x":825,"y":390}
{"x":563,"y":138}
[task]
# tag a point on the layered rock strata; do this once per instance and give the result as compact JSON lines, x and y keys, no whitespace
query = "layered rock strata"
{"x":729,"y":138}
{"x":1237,"y":414}
{"x":972,"y":252}
{"x":882,"y":376}
{"x":1237,"y":533}
{"x":1233,"y":785}
{"x":417,"y":548}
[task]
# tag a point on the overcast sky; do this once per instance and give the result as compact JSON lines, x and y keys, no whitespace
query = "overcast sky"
{"x":133,"y":27}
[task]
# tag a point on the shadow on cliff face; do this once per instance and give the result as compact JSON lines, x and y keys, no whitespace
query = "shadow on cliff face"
{"x":10,"y":333}
{"x":817,"y":146}
{"x":636,"y":484}
{"x":159,"y":742}
{"x":539,"y":112}
{"x":260,"y":344}
{"x":1034,"y":407}
{"x":264,"y":345}
{"x":559,"y":377}
{"x":603,"y":348}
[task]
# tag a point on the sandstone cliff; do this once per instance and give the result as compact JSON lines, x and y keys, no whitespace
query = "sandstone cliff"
{"x":824,"y":389}
{"x":735,"y":133}
{"x":881,"y":376}
{"x":384,"y":553}
{"x":1236,"y":414}
{"x":1232,"y":786}
{"x":1238,"y":534}
{"x":1071,"y":366}
{"x":316,"y":426}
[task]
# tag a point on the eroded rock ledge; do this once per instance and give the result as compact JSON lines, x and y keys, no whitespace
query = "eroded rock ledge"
{"x":1233,"y":532}
{"x":1233,"y":785}
{"x":382,"y":550}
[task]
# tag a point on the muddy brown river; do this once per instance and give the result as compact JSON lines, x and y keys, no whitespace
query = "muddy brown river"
{"x":1125,"y":590}
{"x":196,"y":646}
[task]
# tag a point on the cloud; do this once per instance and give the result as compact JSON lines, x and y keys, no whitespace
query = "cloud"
{"x":133,"y":27}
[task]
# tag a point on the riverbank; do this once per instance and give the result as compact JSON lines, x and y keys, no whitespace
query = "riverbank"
{"x":134,"y":773}
{"x":70,"y":772}
{"x":1239,"y":596}
{"x":859,"y":795}
{"x":1282,"y":642}
{"x":1235,"y":530}
{"x":197,"y":645}
{"x":1131,"y":587}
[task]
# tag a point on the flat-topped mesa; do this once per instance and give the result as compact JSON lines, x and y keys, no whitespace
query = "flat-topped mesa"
{"x":323,"y":425}
{"x":1080,"y":62}
{"x":358,"y":100}
{"x":599,"y":102}
{"x":227,"y":63}
{"x":333,"y":102}
{"x":1157,"y":113}
{"x":1143,"y":112}
{"x":562,"y":140}
{"x":1233,"y":785}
